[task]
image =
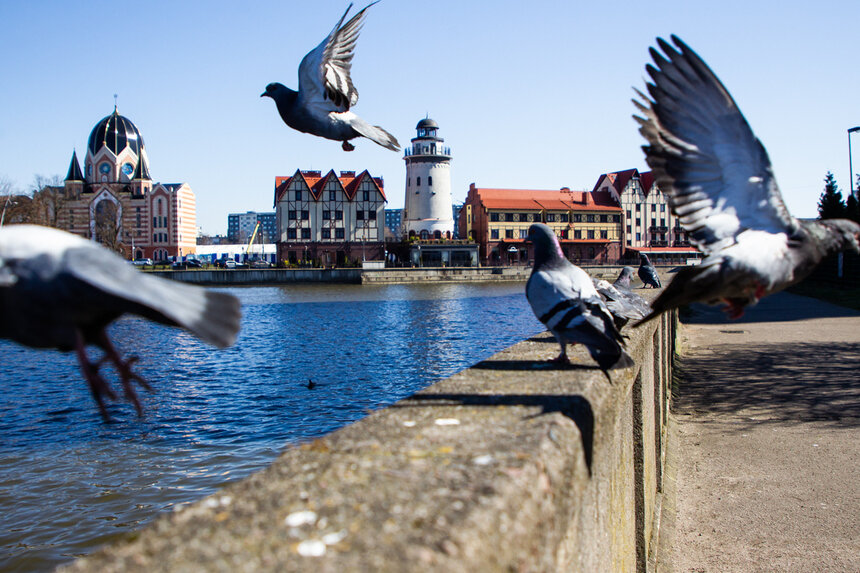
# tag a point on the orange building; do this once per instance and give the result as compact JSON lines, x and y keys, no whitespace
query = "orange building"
{"x":588,"y":224}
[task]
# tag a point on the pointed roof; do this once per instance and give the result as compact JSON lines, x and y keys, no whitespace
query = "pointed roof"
{"x":316,"y":182}
{"x":141,"y":172}
{"x":75,"y":173}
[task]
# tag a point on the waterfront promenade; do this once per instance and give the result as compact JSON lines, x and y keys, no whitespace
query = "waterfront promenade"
{"x":764,"y":452}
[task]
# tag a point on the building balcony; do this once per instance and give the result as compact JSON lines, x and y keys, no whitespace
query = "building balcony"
{"x":658,"y":229}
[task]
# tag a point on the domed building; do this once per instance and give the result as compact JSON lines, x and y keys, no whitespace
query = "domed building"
{"x":114,"y":200}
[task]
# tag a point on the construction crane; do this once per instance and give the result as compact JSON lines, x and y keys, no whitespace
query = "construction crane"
{"x":251,"y":243}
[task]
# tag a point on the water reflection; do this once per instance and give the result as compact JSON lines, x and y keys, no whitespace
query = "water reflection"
{"x":218,"y":415}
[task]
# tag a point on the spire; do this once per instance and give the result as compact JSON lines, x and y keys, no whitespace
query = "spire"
{"x":141,"y":172}
{"x":75,"y":173}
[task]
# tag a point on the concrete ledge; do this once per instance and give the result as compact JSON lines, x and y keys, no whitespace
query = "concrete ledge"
{"x":512,"y":465}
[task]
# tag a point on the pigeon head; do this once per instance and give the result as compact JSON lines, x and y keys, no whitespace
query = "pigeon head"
{"x":275,"y":91}
{"x":546,"y":244}
{"x":643,"y":259}
{"x":625,"y":276}
{"x":843,"y":235}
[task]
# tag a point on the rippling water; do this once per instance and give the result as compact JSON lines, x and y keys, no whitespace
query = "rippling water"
{"x":69,"y":482}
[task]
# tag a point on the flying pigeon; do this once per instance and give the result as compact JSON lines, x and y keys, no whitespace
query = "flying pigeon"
{"x":647,"y":272}
{"x":624,"y":277}
{"x":58,"y":290}
{"x":621,"y":302}
{"x":563,"y":298}
{"x":719,"y":182}
{"x":326,"y":92}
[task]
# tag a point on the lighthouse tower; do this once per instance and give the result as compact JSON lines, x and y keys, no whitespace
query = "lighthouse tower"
{"x":427,"y":209}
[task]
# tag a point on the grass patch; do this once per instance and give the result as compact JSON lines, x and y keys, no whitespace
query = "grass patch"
{"x":847,"y":297}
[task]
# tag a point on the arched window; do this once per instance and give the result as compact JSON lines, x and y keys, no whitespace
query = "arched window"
{"x":424,"y":234}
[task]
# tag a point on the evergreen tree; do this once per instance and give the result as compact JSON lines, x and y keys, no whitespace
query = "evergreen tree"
{"x":830,"y":203}
{"x":852,"y":205}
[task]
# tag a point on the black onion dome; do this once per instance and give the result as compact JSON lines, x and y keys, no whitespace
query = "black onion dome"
{"x":115,"y":132}
{"x":427,"y":123}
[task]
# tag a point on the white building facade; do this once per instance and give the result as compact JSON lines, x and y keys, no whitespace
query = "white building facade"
{"x":427,"y":211}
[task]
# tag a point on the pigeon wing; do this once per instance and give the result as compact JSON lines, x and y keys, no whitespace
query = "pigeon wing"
{"x":705,"y":157}
{"x":210,"y":315}
{"x":324,"y":74}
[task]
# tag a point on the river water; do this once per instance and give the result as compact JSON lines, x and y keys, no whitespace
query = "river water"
{"x":69,"y":482}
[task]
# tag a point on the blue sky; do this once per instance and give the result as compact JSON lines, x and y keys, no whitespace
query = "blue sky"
{"x":527,"y":94}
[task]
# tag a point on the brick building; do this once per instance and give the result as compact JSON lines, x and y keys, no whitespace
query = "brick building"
{"x":588,"y":224}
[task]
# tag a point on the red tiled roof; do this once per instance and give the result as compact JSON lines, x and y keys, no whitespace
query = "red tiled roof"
{"x":619,"y":179}
{"x":538,"y":200}
{"x":316,"y":182}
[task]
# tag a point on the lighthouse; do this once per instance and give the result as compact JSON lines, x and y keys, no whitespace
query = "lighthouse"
{"x":427,"y":208}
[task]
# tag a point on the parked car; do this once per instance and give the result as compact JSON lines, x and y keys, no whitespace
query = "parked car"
{"x":188,"y":264}
{"x":142,"y":262}
{"x":259,"y":264}
{"x":225,"y":264}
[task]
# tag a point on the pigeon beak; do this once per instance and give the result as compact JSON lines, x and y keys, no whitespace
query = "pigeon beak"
{"x":264,"y":94}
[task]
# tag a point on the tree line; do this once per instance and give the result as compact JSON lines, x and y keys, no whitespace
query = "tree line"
{"x":832,"y":206}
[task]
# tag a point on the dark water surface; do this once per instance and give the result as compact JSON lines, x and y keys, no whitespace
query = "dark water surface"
{"x":69,"y":482}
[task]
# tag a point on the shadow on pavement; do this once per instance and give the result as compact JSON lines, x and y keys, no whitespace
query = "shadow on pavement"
{"x":773,"y":383}
{"x":779,"y":307}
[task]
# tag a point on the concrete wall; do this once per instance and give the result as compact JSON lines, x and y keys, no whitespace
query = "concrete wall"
{"x":515,"y":464}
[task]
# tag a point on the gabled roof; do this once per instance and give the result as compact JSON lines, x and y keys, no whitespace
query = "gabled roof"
{"x":316,"y":182}
{"x":618,"y":179}
{"x":646,"y":179}
{"x":532,"y":199}
{"x":75,"y":173}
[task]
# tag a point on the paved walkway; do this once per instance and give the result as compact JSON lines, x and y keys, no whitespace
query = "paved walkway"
{"x":765,"y":446}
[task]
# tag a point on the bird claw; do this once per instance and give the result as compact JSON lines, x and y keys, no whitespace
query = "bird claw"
{"x":347,"y":146}
{"x":560,"y":359}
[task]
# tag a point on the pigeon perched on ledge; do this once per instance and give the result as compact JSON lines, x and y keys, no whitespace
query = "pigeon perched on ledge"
{"x":621,"y":302}
{"x":719,"y":181}
{"x":624,"y":277}
{"x":563,"y":298}
{"x":326,"y":92}
{"x":58,"y":290}
{"x":647,"y":273}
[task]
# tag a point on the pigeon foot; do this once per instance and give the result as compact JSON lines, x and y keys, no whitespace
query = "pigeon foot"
{"x":347,"y":146}
{"x":734,"y":310}
{"x":560,"y":359}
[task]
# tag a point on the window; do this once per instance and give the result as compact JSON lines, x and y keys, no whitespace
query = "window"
{"x":306,"y":233}
{"x":430,"y":180}
{"x":577,"y":218}
{"x":663,"y":208}
{"x":550,"y":217}
{"x":509,"y":217}
{"x":359,"y":215}
{"x":509,"y":233}
{"x":616,"y":218}
{"x":291,"y":233}
{"x":629,"y":214}
{"x":589,"y":218}
{"x":365,"y":195}
{"x":638,"y":207}
{"x":565,"y":233}
{"x":638,"y":221}
{"x":653,"y":207}
{"x":524,"y":217}
{"x":591,"y":233}
{"x":418,"y":181}
{"x":638,"y":236}
{"x":305,"y":215}
{"x":338,"y":233}
{"x":332,"y":195}
{"x":604,"y":234}
{"x":326,"y":215}
{"x":298,"y":194}
{"x":494,"y":234}
{"x":662,"y":222}
{"x":291,"y":215}
{"x":577,"y":234}
{"x":338,"y":215}
{"x":326,"y":233}
{"x":494,"y":217}
{"x":564,"y":217}
{"x":155,"y":222}
{"x":604,"y":218}
{"x":629,"y":230}
{"x":371,"y":215}
{"x":524,"y":233}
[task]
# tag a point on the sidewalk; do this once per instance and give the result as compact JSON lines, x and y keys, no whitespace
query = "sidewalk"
{"x":764,"y":453}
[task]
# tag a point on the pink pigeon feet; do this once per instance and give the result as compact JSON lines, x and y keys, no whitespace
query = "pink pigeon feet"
{"x":98,"y":385}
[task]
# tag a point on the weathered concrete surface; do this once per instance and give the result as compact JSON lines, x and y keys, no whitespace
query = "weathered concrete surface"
{"x":765,"y":454}
{"x":513,"y":465}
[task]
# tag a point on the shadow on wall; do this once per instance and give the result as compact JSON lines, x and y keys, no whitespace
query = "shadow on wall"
{"x":773,"y":383}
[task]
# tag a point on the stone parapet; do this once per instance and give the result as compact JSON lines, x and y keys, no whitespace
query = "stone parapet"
{"x":515,"y":464}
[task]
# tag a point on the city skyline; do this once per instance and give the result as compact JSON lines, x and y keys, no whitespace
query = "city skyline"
{"x":528,"y":97}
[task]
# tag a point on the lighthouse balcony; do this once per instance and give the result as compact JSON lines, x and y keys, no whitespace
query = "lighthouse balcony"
{"x":427,"y":151}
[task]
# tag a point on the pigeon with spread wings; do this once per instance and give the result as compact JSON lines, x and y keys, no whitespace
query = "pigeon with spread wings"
{"x":326,"y":93}
{"x":719,"y":182}
{"x":58,"y":290}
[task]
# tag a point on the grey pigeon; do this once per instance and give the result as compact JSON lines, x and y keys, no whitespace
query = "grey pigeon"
{"x":621,"y":302}
{"x":326,"y":93}
{"x":719,"y":182}
{"x":624,"y":278}
{"x":563,"y":298}
{"x":647,"y":272}
{"x":58,"y":290}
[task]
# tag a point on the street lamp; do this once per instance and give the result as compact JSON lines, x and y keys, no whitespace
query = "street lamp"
{"x":850,"y":164}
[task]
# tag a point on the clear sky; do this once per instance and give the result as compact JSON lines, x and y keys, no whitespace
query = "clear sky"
{"x":528,"y":94}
